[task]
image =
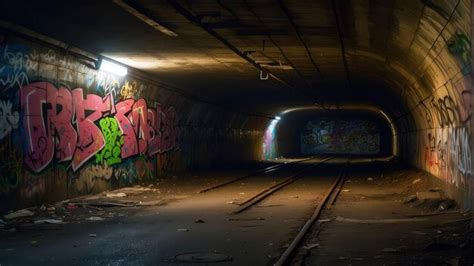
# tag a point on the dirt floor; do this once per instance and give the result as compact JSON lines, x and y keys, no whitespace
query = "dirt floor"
{"x":376,"y":220}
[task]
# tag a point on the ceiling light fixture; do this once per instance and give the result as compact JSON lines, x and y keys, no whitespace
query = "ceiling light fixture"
{"x":112,"y":68}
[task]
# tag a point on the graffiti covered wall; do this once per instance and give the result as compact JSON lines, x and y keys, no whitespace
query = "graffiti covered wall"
{"x":440,"y":139}
{"x":66,"y":126}
{"x":338,"y":136}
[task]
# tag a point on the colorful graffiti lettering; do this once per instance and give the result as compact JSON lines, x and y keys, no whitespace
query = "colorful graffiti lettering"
{"x":48,"y":116}
{"x":340,"y":136}
{"x":448,"y":153}
{"x":8,"y":119}
{"x":461,"y":150}
{"x":445,"y":111}
{"x":110,"y":154}
{"x":128,"y":89}
{"x":89,"y":175}
{"x":108,"y":84}
{"x":269,"y":150}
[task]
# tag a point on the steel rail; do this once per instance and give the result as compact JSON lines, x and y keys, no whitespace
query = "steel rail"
{"x":270,"y":190}
{"x":264,"y":170}
{"x":284,"y":259}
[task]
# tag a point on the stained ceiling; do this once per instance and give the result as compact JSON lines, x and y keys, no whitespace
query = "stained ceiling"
{"x":317,"y":51}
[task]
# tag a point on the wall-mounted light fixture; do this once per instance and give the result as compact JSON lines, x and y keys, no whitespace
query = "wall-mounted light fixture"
{"x":277,"y":118}
{"x":112,"y":68}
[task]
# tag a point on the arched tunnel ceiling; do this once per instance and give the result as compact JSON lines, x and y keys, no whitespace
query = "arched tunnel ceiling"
{"x":397,"y":45}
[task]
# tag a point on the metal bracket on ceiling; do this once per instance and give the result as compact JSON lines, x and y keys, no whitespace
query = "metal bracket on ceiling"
{"x":263,"y":75}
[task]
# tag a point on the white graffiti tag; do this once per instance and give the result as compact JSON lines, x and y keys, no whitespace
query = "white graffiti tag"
{"x":8,"y":119}
{"x":461,"y":150}
{"x":14,"y":72}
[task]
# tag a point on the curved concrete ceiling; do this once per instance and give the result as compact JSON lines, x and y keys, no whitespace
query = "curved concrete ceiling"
{"x":396,"y":53}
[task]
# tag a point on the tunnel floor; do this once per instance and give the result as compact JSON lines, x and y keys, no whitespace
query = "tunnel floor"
{"x":374,"y":221}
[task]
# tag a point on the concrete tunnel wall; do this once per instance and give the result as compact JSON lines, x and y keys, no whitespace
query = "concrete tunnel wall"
{"x":67,"y":129}
{"x":429,"y":78}
{"x":439,"y":99}
{"x":430,"y":73}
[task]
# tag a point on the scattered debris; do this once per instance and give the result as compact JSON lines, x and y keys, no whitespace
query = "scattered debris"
{"x":416,"y":181}
{"x":48,"y":221}
{"x":18,"y":214}
{"x":60,"y":211}
{"x":95,"y":218}
{"x":378,"y":256}
{"x":152,"y":203}
{"x":116,"y":195}
{"x":410,"y":199}
{"x":346,"y":190}
{"x":436,"y":189}
{"x":42,"y":208}
{"x":71,"y":206}
{"x":231,"y":202}
{"x":370,"y":179}
{"x":92,"y":235}
{"x":133,"y":190}
{"x":324,"y":220}
{"x":183,"y":230}
{"x":446,"y":205}
{"x":199,"y":221}
{"x":109,"y":203}
{"x":310,"y":246}
{"x":428,"y":195}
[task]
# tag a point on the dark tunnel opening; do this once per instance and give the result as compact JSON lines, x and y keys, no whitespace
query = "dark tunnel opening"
{"x":343,"y":133}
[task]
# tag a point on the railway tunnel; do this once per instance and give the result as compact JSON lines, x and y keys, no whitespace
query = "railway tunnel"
{"x":282,"y":132}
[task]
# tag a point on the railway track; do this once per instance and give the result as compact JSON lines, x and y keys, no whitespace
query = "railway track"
{"x":261,"y":171}
{"x":328,"y":200}
{"x":258,"y":197}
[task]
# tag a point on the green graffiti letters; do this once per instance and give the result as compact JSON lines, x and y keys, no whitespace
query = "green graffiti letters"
{"x":113,"y":142}
{"x":459,"y":45}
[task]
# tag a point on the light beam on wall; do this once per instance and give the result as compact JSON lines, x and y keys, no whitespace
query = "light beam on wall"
{"x":113,"y":68}
{"x":268,"y":146}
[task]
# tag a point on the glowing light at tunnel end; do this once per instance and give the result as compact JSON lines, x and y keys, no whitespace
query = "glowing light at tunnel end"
{"x":269,"y":141}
